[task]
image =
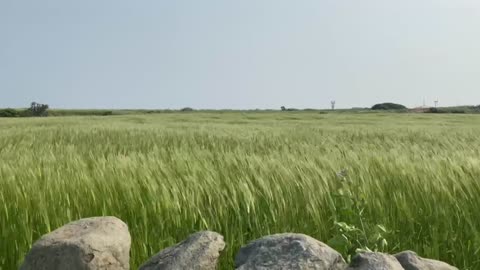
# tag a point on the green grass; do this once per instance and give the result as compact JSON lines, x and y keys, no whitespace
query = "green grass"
{"x":246,"y":175}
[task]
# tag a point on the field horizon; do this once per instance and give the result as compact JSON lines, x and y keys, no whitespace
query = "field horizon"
{"x":459,"y":109}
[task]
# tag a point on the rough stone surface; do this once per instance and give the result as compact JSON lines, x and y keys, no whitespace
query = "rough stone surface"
{"x":199,"y":251}
{"x":103,"y":243}
{"x":374,"y":261}
{"x":411,"y":261}
{"x":288,"y":251}
{"x":86,"y":244}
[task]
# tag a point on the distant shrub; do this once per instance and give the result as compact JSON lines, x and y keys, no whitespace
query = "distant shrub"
{"x":465,"y":109}
{"x":292,"y":109}
{"x":434,"y":110}
{"x":186,"y":109}
{"x":283,"y":108}
{"x":388,"y":106}
{"x":106,"y":113}
{"x":8,"y":112}
{"x":25,"y":113}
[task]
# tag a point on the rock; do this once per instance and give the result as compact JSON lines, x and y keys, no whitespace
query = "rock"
{"x":288,"y":251}
{"x":199,"y":251}
{"x":86,"y":244}
{"x":374,"y":261}
{"x":411,"y":261}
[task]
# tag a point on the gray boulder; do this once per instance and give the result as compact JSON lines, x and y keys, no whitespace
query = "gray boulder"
{"x":86,"y":244}
{"x":288,"y":251}
{"x":411,"y":261}
{"x":374,"y":261}
{"x":199,"y":251}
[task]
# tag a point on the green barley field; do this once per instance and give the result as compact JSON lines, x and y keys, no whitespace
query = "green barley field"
{"x":388,"y":182}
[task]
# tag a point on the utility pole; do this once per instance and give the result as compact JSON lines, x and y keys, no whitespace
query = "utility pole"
{"x":333,"y":104}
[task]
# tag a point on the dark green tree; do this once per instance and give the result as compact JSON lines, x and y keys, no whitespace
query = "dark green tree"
{"x":38,"y":109}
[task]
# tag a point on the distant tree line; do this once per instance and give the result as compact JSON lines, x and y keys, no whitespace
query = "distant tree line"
{"x":35,"y":110}
{"x":458,"y":109}
{"x":380,"y":106}
{"x":42,"y":110}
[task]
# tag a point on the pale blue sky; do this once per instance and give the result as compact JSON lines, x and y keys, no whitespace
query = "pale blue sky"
{"x":238,"y":54}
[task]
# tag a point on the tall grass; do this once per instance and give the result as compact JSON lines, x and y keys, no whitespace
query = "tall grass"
{"x":244,"y":176}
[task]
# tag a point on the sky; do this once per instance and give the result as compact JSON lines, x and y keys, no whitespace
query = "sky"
{"x":244,"y":54}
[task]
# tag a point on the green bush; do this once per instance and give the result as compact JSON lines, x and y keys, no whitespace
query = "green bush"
{"x":25,"y":113}
{"x":388,"y":106}
{"x":8,"y":112}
